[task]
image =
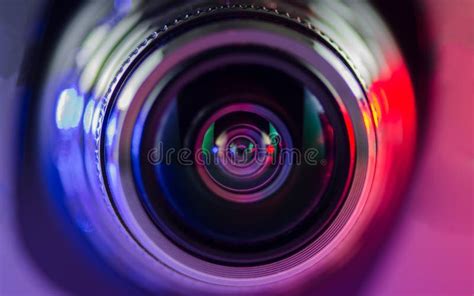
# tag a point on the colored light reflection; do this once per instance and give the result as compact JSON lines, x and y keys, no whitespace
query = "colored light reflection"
{"x":88,"y":114}
{"x":123,"y":6}
{"x":69,"y":109}
{"x":270,"y":149}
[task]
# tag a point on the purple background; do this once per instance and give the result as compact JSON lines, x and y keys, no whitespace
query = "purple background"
{"x":431,"y":249}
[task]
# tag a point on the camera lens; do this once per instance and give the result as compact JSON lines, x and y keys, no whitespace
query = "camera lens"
{"x":250,"y":156}
{"x":229,"y":145}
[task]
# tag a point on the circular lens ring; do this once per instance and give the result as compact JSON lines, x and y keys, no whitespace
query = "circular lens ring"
{"x":268,"y":58}
{"x":350,"y":100}
{"x":252,"y":194}
{"x":237,"y":145}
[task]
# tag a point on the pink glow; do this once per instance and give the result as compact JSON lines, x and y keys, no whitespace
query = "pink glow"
{"x":432,"y":249}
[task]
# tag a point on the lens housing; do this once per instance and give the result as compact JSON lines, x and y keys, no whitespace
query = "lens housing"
{"x":163,"y":73}
{"x":207,"y":38}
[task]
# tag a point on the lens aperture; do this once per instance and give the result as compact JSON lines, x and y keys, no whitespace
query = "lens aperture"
{"x":241,"y":155}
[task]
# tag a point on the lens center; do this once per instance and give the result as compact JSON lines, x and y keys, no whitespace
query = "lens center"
{"x":241,"y":156}
{"x":242,"y":151}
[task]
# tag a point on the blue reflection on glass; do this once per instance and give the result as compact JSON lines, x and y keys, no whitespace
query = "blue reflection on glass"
{"x":111,"y":130}
{"x":88,"y":114}
{"x":122,"y":6}
{"x":69,"y":109}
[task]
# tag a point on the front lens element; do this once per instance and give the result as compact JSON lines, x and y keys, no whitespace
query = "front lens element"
{"x":266,"y":157}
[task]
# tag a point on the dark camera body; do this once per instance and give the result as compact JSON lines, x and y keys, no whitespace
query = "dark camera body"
{"x":217,"y":147}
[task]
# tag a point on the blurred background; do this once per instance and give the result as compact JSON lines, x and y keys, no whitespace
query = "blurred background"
{"x":430,"y":251}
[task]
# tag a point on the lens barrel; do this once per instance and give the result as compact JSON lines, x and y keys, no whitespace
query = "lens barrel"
{"x":227,"y":146}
